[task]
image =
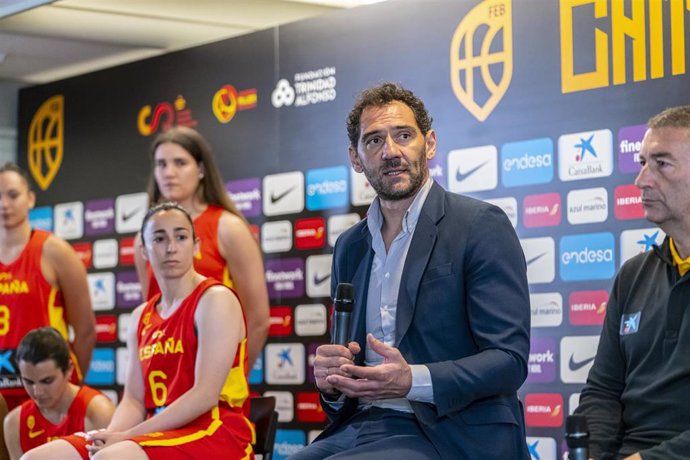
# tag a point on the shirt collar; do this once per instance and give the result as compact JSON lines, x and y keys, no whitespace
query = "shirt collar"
{"x":411,"y":217}
{"x":682,"y":264}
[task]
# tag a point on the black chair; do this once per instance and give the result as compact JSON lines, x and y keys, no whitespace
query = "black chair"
{"x":265,"y":418}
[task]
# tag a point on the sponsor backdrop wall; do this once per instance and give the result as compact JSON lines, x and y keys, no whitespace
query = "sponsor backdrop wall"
{"x":540,"y":107}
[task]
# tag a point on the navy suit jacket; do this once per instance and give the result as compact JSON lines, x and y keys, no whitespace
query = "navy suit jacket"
{"x":463,"y":311}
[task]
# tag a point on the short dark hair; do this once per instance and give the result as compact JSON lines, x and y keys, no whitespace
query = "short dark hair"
{"x":211,"y":184}
{"x":13,"y":167}
{"x":673,"y":117}
{"x":165,"y":206}
{"x":42,"y":344}
{"x":383,"y":94}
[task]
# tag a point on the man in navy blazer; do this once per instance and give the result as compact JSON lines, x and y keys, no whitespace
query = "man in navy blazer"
{"x":440,"y":327}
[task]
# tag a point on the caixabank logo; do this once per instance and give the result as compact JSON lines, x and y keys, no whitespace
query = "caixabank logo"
{"x":587,"y":257}
{"x":638,"y":241}
{"x":483,"y":38}
{"x":46,"y":141}
{"x":585,"y":155}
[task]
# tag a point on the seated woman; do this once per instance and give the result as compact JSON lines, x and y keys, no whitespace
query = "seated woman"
{"x":187,"y":369}
{"x":57,"y":407}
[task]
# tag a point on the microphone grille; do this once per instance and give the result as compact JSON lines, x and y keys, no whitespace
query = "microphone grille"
{"x":576,"y":424}
{"x":344,"y":292}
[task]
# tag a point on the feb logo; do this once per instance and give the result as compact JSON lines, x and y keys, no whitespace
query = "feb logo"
{"x":487,"y":26}
{"x":46,"y":141}
{"x":164,"y":116}
{"x":228,"y":101}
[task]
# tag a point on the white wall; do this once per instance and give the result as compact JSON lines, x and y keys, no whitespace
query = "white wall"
{"x":8,"y":120}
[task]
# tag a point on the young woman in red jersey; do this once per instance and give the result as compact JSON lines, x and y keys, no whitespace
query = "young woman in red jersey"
{"x":183,"y":170}
{"x":187,"y":368}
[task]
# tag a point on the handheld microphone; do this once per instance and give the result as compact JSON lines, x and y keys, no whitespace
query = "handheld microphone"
{"x":342,"y":313}
{"x":577,"y":437}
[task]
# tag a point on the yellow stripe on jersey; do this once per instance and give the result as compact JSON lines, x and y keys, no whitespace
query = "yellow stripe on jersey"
{"x":215,"y":424}
{"x":235,"y":390}
{"x":227,"y":281}
{"x":56,"y":318}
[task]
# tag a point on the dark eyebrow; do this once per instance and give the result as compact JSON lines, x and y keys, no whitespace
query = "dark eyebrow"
{"x":378,"y":131}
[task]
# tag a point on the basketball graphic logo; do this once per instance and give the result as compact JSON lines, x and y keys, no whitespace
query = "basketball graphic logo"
{"x":46,"y":139}
{"x":481,"y":57}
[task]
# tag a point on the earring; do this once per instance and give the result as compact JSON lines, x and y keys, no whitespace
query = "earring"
{"x":201,"y":176}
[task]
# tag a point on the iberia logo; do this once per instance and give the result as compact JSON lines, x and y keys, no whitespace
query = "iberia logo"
{"x":481,"y":97}
{"x":164,"y":116}
{"x":228,"y":101}
{"x":46,"y":141}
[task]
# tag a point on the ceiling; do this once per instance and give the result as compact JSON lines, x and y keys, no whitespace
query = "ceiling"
{"x":64,"y":38}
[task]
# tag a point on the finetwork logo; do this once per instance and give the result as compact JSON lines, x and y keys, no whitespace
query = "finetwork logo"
{"x":587,"y":257}
{"x":69,"y":220}
{"x":542,"y":448}
{"x":130,"y":211}
{"x":585,"y":155}
{"x":128,"y":289}
{"x":540,"y":255}
{"x":283,"y":193}
{"x":319,"y":275}
{"x":285,"y":278}
{"x":628,"y":202}
{"x":544,"y":410}
{"x":577,"y":357}
{"x":547,"y":309}
{"x":246,"y":194}
{"x":509,"y":207}
{"x":41,"y":218}
{"x":473,"y":169}
{"x":308,"y":88}
{"x":587,"y":206}
{"x":542,"y":210}
{"x":629,"y":145}
{"x":338,"y":224}
{"x":327,"y":188}
{"x":542,"y":361}
{"x":99,"y":217}
{"x":472,"y":82}
{"x":311,"y":320}
{"x":587,"y":308}
{"x":527,"y":162}
{"x":285,"y":363}
{"x":276,"y":236}
{"x":634,"y":242}
{"x":102,"y":290}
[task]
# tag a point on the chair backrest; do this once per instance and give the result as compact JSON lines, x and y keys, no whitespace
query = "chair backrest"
{"x":265,"y":419}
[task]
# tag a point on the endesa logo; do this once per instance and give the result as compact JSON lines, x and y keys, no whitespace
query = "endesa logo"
{"x":309,"y":408}
{"x":280,"y":323}
{"x":542,"y":210}
{"x":102,"y":367}
{"x":41,"y":218}
{"x":544,"y":410}
{"x":628,"y":203}
{"x":310,"y":233}
{"x":164,"y":116}
{"x":587,"y":257}
{"x":587,"y":308}
{"x":527,"y":162}
{"x":288,"y":442}
{"x":327,"y":188}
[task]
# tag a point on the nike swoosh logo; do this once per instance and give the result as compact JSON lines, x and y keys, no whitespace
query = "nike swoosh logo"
{"x":128,"y":215}
{"x":280,"y":196}
{"x":577,"y":365}
{"x":33,"y":434}
{"x":320,"y":279}
{"x":462,"y":176}
{"x":535,"y":258}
